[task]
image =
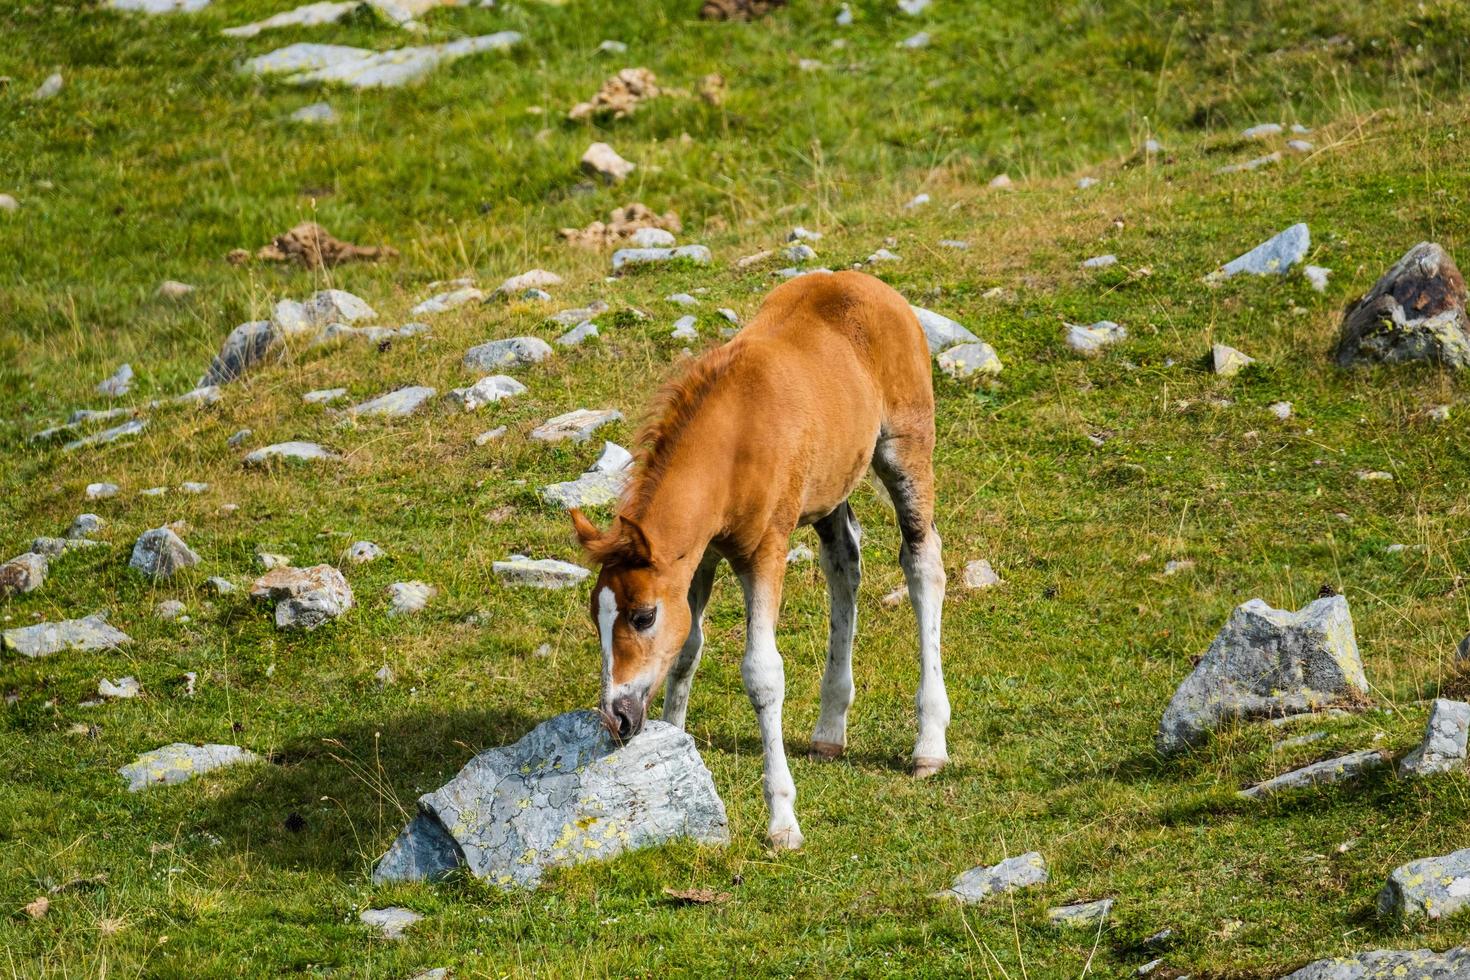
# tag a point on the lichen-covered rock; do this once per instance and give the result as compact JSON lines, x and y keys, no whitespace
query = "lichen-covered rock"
{"x":1429,"y":888}
{"x":591,"y":489}
{"x":1443,"y":748}
{"x":160,"y":553}
{"x":1390,"y":964}
{"x":287,"y":451}
{"x":940,"y":332}
{"x":980,"y":574}
{"x":543,"y":573}
{"x":626,"y":257}
{"x":577,"y":425}
{"x":395,"y":404}
{"x":1263,"y":663}
{"x":181,"y":762}
{"x":88,"y":633}
{"x":23,"y":573}
{"x":1273,"y":257}
{"x":1415,"y":312}
{"x":979,"y":884}
{"x":305,"y":597}
{"x":85,"y":526}
{"x":564,"y":794}
{"x":1087,"y":914}
{"x":511,"y":353}
{"x":970,"y":360}
{"x":1227,"y":362}
{"x":1343,"y":769}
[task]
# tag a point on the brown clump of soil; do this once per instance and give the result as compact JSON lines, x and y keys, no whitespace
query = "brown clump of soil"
{"x":621,"y":224}
{"x":712,"y":88}
{"x":738,"y":9}
{"x":311,"y":245}
{"x":619,"y":95}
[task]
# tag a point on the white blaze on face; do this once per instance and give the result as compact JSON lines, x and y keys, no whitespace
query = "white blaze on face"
{"x":607,"y":614}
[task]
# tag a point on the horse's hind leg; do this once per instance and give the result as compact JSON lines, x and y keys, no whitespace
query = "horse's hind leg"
{"x":905,"y":464}
{"x":842,"y":564}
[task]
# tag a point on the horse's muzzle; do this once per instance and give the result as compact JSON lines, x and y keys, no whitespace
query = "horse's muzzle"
{"x":625,"y":715}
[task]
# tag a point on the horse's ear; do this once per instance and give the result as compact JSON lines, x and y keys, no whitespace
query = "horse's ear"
{"x":587,"y":532}
{"x":634,"y":542}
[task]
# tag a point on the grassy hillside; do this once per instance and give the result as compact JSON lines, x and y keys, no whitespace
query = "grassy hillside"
{"x":157,"y":158}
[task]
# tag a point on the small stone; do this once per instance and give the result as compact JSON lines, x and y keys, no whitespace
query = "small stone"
{"x":1248,"y":165}
{"x":913,"y":7}
{"x":193,"y":487}
{"x":614,"y":459}
{"x":915,"y":41}
{"x":940,"y":332}
{"x":799,"y":252}
{"x":160,"y":553}
{"x":612,"y":47}
{"x":883,"y":255}
{"x":288,"y":451}
{"x":173,"y":289}
{"x":729,"y":314}
{"x":917,"y":201}
{"x":490,"y":435}
{"x":395,"y":404}
{"x":623,"y":258}
{"x":407,"y":598}
{"x":1317,"y":276}
{"x":1227,"y":362}
{"x":1092,"y":339}
{"x":1083,"y":914}
{"x":362,"y":552}
{"x":85,"y":526}
{"x":979,"y":884}
{"x":535,"y":295}
{"x":25,"y":573}
{"x":1100,"y":262}
{"x":129,"y":428}
{"x":1085,"y":182}
{"x":800,"y":234}
{"x":168,"y":610}
{"x":603,"y":162}
{"x":124,"y":689}
{"x":444,"y":302}
{"x":577,"y":425}
{"x":684,"y":328}
{"x":219,"y":586}
{"x":652,"y":238}
{"x":512,"y":353}
{"x":979,"y":575}
{"x":306,"y":63}
{"x":488,"y":390}
{"x":1001,"y":182}
{"x":119,"y":384}
{"x":968,"y":360}
{"x":43,"y":639}
{"x":384,"y":676}
{"x":238,"y":439}
{"x":1300,"y":146}
{"x":1176,"y":565}
{"x":1439,"y":413}
{"x":267,"y":561}
{"x":48,"y":89}
{"x":324,"y":396}
{"x":682,"y":299}
{"x":1273,"y":257}
{"x":1262,"y":131}
{"x":1342,"y":769}
{"x":844,"y":16}
{"x":800,"y":555}
{"x":578,"y":334}
{"x":101,"y":491}
{"x":318,"y":113}
{"x":570,"y":318}
{"x":153,"y":491}
{"x":1443,"y":747}
{"x":305,"y":597}
{"x":545,"y":573}
{"x":1375,"y":476}
{"x":9,"y":203}
{"x":534,"y":279}
{"x":1282,"y":410}
{"x":180,"y":762}
{"x":1429,"y":888}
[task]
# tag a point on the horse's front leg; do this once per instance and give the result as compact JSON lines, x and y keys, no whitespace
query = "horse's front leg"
{"x":765,"y":685}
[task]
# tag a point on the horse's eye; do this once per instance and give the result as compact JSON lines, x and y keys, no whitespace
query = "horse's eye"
{"x":641,"y":619}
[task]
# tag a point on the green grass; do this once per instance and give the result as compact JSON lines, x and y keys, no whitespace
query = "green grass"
{"x":157,"y":159}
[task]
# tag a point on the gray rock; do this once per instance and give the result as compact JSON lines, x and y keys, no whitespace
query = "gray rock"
{"x":1390,"y":964}
{"x":684,"y":328}
{"x":614,"y":459}
{"x":915,"y":41}
{"x":490,"y":435}
{"x":1270,"y":258}
{"x":1415,"y":312}
{"x":123,"y":689}
{"x":575,"y":336}
{"x":159,"y":6}
{"x":489,"y":389}
{"x":160,"y":553}
{"x":512,"y":353}
{"x":1443,"y":747}
{"x":324,"y":396}
{"x":603,"y":162}
{"x":246,"y":346}
{"x":940,"y":332}
{"x":391,"y":921}
{"x":309,"y":64}
{"x":625,"y":257}
{"x":238,"y":439}
{"x":883,"y":255}
{"x":969,"y":360}
{"x":310,"y":15}
{"x":1083,"y":183}
{"x":51,"y":547}
{"x":48,"y":89}
{"x":1227,"y":362}
{"x":563,"y":795}
{"x":341,"y":331}
{"x":980,"y":575}
{"x":305,"y":597}
{"x":288,"y":451}
{"x":1300,"y":146}
{"x":362,"y":552}
{"x":1429,"y":888}
{"x":407,"y":598}
{"x":800,"y":234}
{"x":101,"y":491}
{"x":318,"y":113}
{"x":1100,"y":262}
{"x":570,"y":318}
{"x":798,"y":252}
{"x":173,"y":289}
{"x":591,"y":489}
{"x":1092,"y":339}
{"x":129,"y":428}
{"x":544,"y":573}
{"x":220,"y":586}
{"x":917,"y":201}
{"x":89,"y":633}
{"x":534,"y":279}
{"x":444,"y":302}
{"x":1340,"y":770}
{"x":1262,"y":130}
{"x":652,"y":238}
{"x":979,"y":884}
{"x":169,"y":609}
{"x":681,"y":299}
{"x":1253,"y":164}
{"x":1087,"y":914}
{"x":24,"y":573}
{"x":395,"y":404}
{"x":1317,"y":276}
{"x":193,"y":486}
{"x":1282,"y":410}
{"x":119,"y":384}
{"x":577,"y":425}
{"x":1264,"y":663}
{"x":181,"y":762}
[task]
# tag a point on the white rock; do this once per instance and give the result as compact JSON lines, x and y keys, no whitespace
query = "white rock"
{"x":651,"y":238}
{"x":490,"y":435}
{"x":101,"y":491}
{"x":940,"y":332}
{"x":968,"y":360}
{"x":488,"y":390}
{"x":24,"y":573}
{"x":1001,"y":182}
{"x":1253,"y":164}
{"x":160,"y":553}
{"x":1443,"y":747}
{"x":310,"y":64}
{"x":324,"y":396}
{"x":43,"y":639}
{"x":979,"y":884}
{"x":1085,"y":182}
{"x":545,"y":573}
{"x":125,"y":688}
{"x":798,"y":252}
{"x":682,"y":299}
{"x":883,"y":255}
{"x":9,"y":203}
{"x":800,"y":234}
{"x":1227,"y":362}
{"x":1100,"y":262}
{"x":1282,"y":410}
{"x":362,"y":552}
{"x":50,"y":88}
{"x":288,"y":451}
{"x":267,"y":560}
{"x":844,"y":16}
{"x":1272,"y":257}
{"x":614,"y":459}
{"x":684,"y":328}
{"x":1092,"y":339}
{"x":511,"y":353}
{"x":404,"y":401}
{"x":917,"y":201}
{"x":1317,"y":276}
{"x":130,"y":428}
{"x":915,"y":41}
{"x":119,"y":384}
{"x":625,"y":257}
{"x":169,"y":610}
{"x":979,"y":575}
{"x":445,"y":302}
{"x":1300,"y":146}
{"x":159,"y":6}
{"x":612,"y":47}
{"x":85,"y":526}
{"x":305,"y":597}
{"x":310,"y":15}
{"x":318,"y":113}
{"x":577,"y":425}
{"x":601,"y":160}
{"x":407,"y":598}
{"x":181,"y":762}
{"x":1262,"y":131}
{"x":913,"y":7}
{"x":575,"y":336}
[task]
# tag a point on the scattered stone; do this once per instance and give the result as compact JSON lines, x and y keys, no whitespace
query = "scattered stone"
{"x":1267,"y":662}
{"x":129,"y":428}
{"x":968,"y":360}
{"x":169,"y":610}
{"x":160,"y":553}
{"x":746,"y":261}
{"x":310,"y":15}
{"x":288,"y":451}
{"x":940,"y":332}
{"x":980,"y":575}
{"x":737,"y":9}
{"x":1439,"y":413}
{"x":24,"y":573}
{"x":612,"y":47}
{"x":1415,"y":312}
{"x":1418,"y":964}
{"x":89,"y":633}
{"x":572,"y":317}
{"x":193,"y":487}
{"x":1248,"y":165}
{"x":684,"y":328}
{"x":246,"y":346}
{"x":395,"y":404}
{"x":181,"y":762}
{"x":1300,"y":146}
{"x":268,"y":561}
{"x":310,"y":245}
{"x":544,"y":573}
{"x":309,"y":64}
{"x":1342,"y":769}
{"x":1100,"y":262}
{"x":577,"y":425}
{"x":844,"y":16}
{"x":729,"y":314}
{"x":1092,"y":339}
{"x":913,"y":7}
{"x":915,"y":41}
{"x":119,"y":384}
{"x":800,"y":234}
{"x":1429,"y":888}
{"x":490,"y":435}
{"x":682,"y":299}
{"x":444,"y":302}
{"x":190,"y":679}
{"x":1282,"y":410}
{"x":979,"y":884}
{"x":125,"y":688}
{"x":1083,"y":914}
{"x":1317,"y":276}
{"x":1085,"y":182}
{"x":1375,"y":476}
{"x":619,"y":96}
{"x":391,"y":921}
{"x":51,"y":547}
{"x":159,"y":6}
{"x":1443,"y":747}
{"x":625,"y":257}
{"x":153,"y":491}
{"x":1262,"y":130}
{"x":799,"y":252}
{"x":48,"y":89}
{"x":219,"y":586}
{"x":626,"y":224}
{"x":101,"y":491}
{"x":1270,"y":258}
{"x":305,"y":597}
{"x":384,"y":676}
{"x":407,"y":598}
{"x":883,"y":255}
{"x":324,"y":396}
{"x":917,"y":201}
{"x":318,"y":113}
{"x":564,"y":794}
{"x":512,"y":353}
{"x":9,"y":203}
{"x":362,"y":552}
{"x":575,"y":336}
{"x":603,"y":162}
{"x":1227,"y":362}
{"x":1001,"y":182}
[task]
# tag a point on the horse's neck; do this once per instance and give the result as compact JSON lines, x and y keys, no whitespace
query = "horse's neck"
{"x":681,"y":512}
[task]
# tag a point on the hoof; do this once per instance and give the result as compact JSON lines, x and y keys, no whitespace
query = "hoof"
{"x":825,"y":751}
{"x":789,"y":839}
{"x":925,"y":766}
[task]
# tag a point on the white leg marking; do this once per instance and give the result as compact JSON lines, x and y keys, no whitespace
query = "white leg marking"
{"x":842,"y":566}
{"x":765,"y":684}
{"x":925,"y":573}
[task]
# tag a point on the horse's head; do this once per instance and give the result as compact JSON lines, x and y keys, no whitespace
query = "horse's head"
{"x":641,"y":610}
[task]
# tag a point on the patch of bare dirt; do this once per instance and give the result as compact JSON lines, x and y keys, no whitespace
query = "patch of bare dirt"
{"x":737,"y":9}
{"x":620,"y":225}
{"x":311,"y":245}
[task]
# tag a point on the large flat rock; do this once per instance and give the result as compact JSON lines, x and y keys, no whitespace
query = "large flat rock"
{"x":564,"y":794}
{"x":179,"y":763}
{"x":1390,"y":964}
{"x":306,"y":64}
{"x":88,"y":633}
